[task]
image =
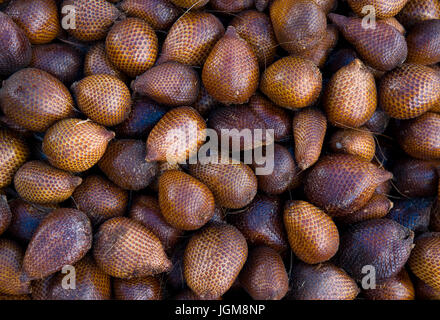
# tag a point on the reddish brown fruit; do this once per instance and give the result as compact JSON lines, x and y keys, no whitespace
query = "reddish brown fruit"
{"x":383,"y":8}
{"x":191,"y":38}
{"x":234,"y":185}
{"x":417,"y":11}
{"x":124,"y":248}
{"x":378,"y":122}
{"x":91,"y":283}
{"x":103,"y":98}
{"x":321,"y":282}
{"x":204,"y":103}
{"x":350,"y":98}
{"x":187,"y":294}
{"x":299,"y":24}
{"x":170,"y":83}
{"x":35,"y":100}
{"x":381,"y":243}
{"x":416,"y":178}
{"x":14,"y":153}
{"x":38,"y":19}
{"x":424,"y":43}
{"x":264,"y":276}
{"x":100,"y":199}
{"x":193,"y":4}
{"x":256,"y":28}
{"x":326,"y":5}
{"x":419,"y":137}
{"x":309,"y":128}
{"x":382,"y":48}
{"x":131,"y":45}
{"x":38,"y":182}
{"x":292,"y":82}
{"x":15,"y":297}
{"x":377,"y":207}
{"x":177,"y":136}
{"x":359,"y":142}
{"x":313,"y":236}
{"x":148,"y":288}
{"x":60,"y":60}
{"x":93,"y":18}
{"x":16,"y":51}
{"x":213,"y":259}
{"x":232,"y":65}
{"x":146,"y":210}
{"x":398,"y":287}
{"x":342,"y":184}
{"x":163,"y":166}
{"x":274,"y":117}
{"x":75,"y":145}
{"x":5,"y":214}
{"x":396,"y":24}
{"x":424,"y":260}
{"x":262,"y":223}
{"x":11,"y":261}
{"x":261,"y":5}
{"x":160,"y":14}
{"x":40,"y":288}
{"x":97,"y":62}
{"x":185,"y":202}
{"x":409,"y":91}
{"x":231,"y":5}
{"x":62,"y":238}
{"x":425,"y":292}
{"x":124,"y":164}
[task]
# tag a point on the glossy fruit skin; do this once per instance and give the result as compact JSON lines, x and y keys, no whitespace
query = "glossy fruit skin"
{"x":16,"y":49}
{"x":39,"y":19}
{"x":419,"y":137}
{"x":256,"y":28}
{"x":187,"y":125}
{"x":264,"y":276}
{"x":298,"y":24}
{"x":416,"y":178}
{"x":170,"y":83}
{"x":399,"y":287}
{"x":143,"y":117}
{"x":160,"y":14}
{"x":191,"y":38}
{"x":313,"y":236}
{"x":227,"y":251}
{"x":233,"y":65}
{"x":416,"y":11}
{"x":193,"y":4}
{"x":358,"y":142}
{"x":309,"y":128}
{"x":274,"y":117}
{"x":378,"y":122}
{"x":146,"y":210}
{"x":424,"y":43}
{"x":231,"y":5}
{"x":60,"y":60}
{"x":93,"y":18}
{"x":381,"y":243}
{"x":292,"y":82}
{"x":341,"y":184}
{"x":425,"y":292}
{"x":383,"y":8}
{"x":185,"y":202}
{"x":75,"y":145}
{"x":97,"y":62}
{"x":35,"y":100}
{"x":424,"y":259}
{"x":147,"y":288}
{"x":124,"y":248}
{"x":124,"y":164}
{"x":321,"y":282}
{"x":132,"y":46}
{"x":62,"y":238}
{"x":417,"y":92}
{"x":234,"y":185}
{"x":413,"y":214}
{"x":100,"y":199}
{"x":382,"y":48}
{"x":26,"y":217}
{"x":103,"y":98}
{"x":5,"y":214}
{"x":282,"y":175}
{"x":91,"y":283}
{"x":163,"y":166}
{"x":11,"y":262}
{"x":14,"y":153}
{"x":41,"y":183}
{"x":350,"y":98}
